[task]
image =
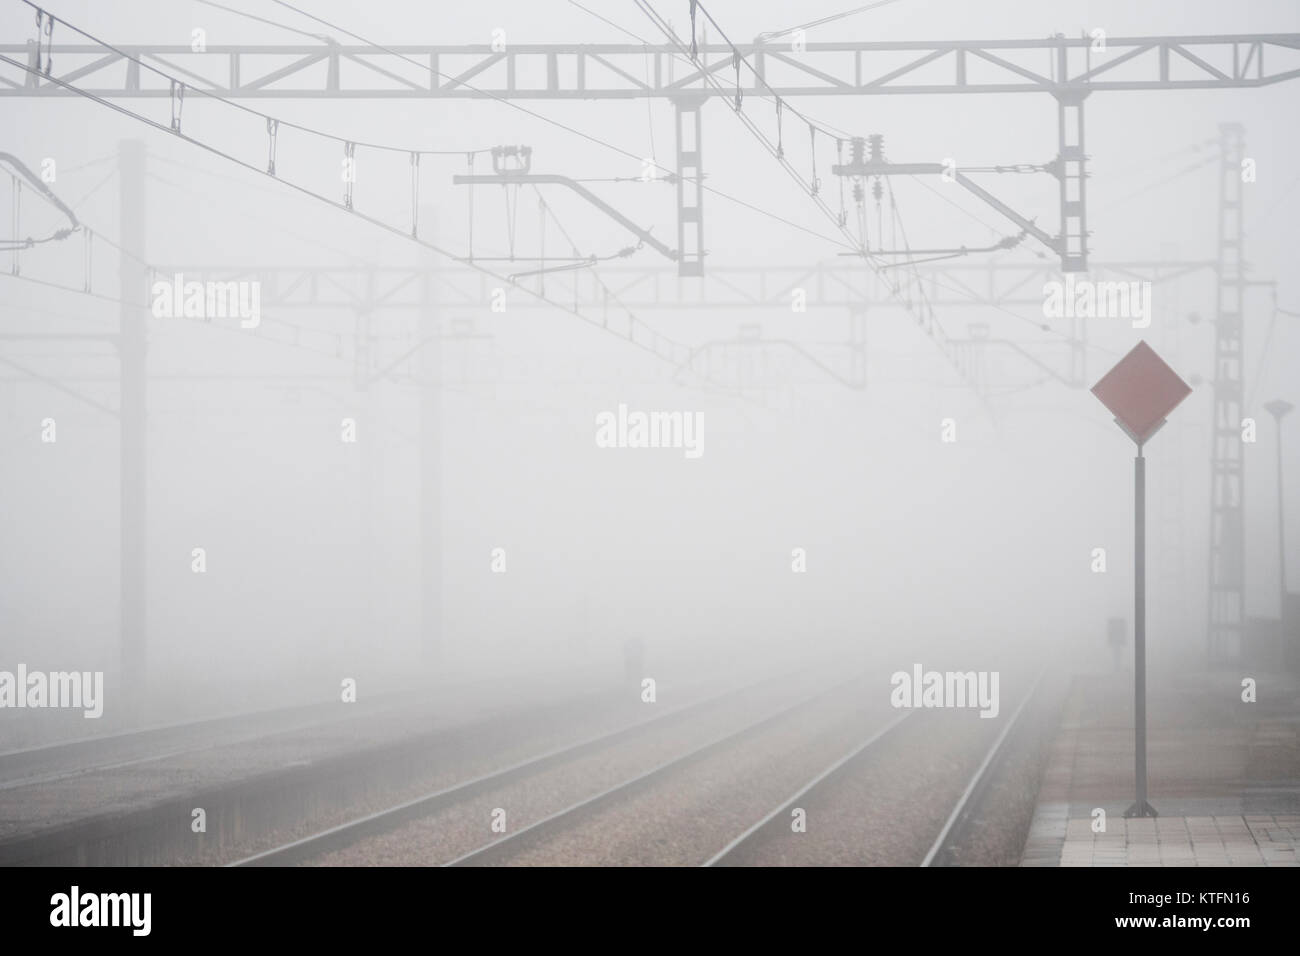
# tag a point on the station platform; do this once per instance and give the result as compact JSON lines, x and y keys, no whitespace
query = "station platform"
{"x":1223,"y":775}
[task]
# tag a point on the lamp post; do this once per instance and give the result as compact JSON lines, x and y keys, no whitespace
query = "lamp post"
{"x":1278,"y":408}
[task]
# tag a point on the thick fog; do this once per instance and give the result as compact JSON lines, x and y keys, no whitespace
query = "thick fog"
{"x":910,"y":509}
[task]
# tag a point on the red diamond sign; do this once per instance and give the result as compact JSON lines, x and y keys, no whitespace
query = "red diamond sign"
{"x":1141,"y":391}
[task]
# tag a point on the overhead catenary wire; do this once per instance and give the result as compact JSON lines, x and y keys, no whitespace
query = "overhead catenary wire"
{"x":181,"y":88}
{"x":685,"y":60}
{"x":256,"y":336}
{"x":1163,"y":180}
{"x":154,"y":272}
{"x":655,"y":345}
{"x":739,"y":60}
{"x":812,"y":132}
{"x":853,"y":241}
{"x":811,"y":24}
{"x":469,"y":86}
{"x":22,"y":172}
{"x":894,"y":289}
{"x":654,"y":155}
{"x":819,"y":126}
{"x":1265,"y":351}
{"x":97,"y":161}
{"x":299,"y":332}
{"x":264,"y":20}
{"x":104,"y":181}
{"x":927,"y":324}
{"x":191,"y":168}
{"x":589,"y":260}
{"x":234,"y":159}
{"x":488,"y":94}
{"x":671,"y":35}
{"x":837,"y":133}
{"x":304,"y":237}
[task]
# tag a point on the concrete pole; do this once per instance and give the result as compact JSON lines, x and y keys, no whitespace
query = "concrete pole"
{"x":132,"y":351}
{"x":1281,"y":528}
{"x":430,"y":460}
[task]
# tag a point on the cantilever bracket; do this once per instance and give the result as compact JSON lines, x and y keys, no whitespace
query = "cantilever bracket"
{"x":1068,"y":167}
{"x":539,"y":179}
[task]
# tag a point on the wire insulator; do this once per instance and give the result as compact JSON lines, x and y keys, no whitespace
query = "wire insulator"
{"x":272,"y":131}
{"x":17,"y":227}
{"x":40,"y":32}
{"x":816,"y":186}
{"x":44,"y":34}
{"x":178,"y":104}
{"x":49,"y":44}
{"x":469,"y":165}
{"x":349,"y":172}
{"x":695,"y":48}
{"x":415,"y":194}
{"x":839,"y":161}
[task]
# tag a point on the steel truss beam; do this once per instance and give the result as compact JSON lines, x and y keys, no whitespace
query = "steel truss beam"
{"x":830,"y":284}
{"x":1061,"y":66}
{"x":826,"y":285}
{"x":1068,"y":69}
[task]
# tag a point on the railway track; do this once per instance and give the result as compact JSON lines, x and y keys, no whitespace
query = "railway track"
{"x":393,"y":819}
{"x":960,"y":821}
{"x":48,"y":763}
{"x":296,"y":779}
{"x":784,"y":808}
{"x":637,"y":793}
{"x":387,"y":820}
{"x":765,"y":841}
{"x":581,"y":830}
{"x":503,"y":849}
{"x":62,"y":759}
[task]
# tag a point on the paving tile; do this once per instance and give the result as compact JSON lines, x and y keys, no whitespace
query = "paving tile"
{"x":1199,"y":763}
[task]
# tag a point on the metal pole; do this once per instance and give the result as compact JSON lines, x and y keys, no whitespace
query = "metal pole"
{"x":368,"y":476}
{"x":430,"y":463}
{"x":690,"y":186}
{"x":1279,"y":409}
{"x":133,"y":278}
{"x":1281,"y":533}
{"x":1140,"y":808}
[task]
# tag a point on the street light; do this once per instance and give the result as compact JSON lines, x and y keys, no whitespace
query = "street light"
{"x":1278,"y":408}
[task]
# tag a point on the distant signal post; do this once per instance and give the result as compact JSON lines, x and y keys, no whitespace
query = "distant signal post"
{"x":1140,"y":391}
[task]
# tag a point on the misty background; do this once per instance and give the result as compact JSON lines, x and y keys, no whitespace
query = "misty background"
{"x":982,"y":547}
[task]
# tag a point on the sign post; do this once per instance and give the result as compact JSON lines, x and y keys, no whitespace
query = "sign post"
{"x":1140,"y":391}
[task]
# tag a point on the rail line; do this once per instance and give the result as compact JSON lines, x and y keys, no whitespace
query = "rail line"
{"x":954,"y":825}
{"x":959,"y":821}
{"x":27,"y":766}
{"x":507,"y":845}
{"x":807,"y":788}
{"x":390,"y":818}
